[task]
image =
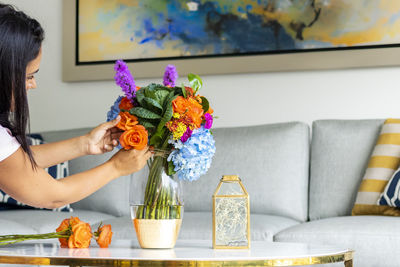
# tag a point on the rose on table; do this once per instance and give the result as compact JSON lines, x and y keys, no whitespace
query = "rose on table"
{"x":72,"y":233}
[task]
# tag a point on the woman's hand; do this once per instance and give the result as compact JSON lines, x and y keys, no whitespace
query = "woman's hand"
{"x":128,"y":161}
{"x":103,"y":138}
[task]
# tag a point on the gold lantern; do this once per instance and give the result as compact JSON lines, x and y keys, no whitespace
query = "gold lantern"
{"x":231,"y":214}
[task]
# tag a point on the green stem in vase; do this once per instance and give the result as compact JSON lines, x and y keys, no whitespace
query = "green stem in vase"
{"x":159,"y":196}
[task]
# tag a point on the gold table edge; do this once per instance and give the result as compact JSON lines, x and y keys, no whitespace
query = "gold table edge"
{"x":341,"y":257}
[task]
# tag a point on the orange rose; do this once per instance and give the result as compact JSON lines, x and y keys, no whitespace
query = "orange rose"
{"x":134,"y":138}
{"x":63,"y":226}
{"x":104,"y":236}
{"x":127,"y":121}
{"x":125,"y":104}
{"x":180,"y":105}
{"x":81,"y":236}
{"x":67,"y":224}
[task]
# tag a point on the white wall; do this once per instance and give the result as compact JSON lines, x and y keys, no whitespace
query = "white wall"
{"x":236,"y":99}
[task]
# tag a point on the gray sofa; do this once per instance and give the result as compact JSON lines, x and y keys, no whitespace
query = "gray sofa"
{"x":302,"y":189}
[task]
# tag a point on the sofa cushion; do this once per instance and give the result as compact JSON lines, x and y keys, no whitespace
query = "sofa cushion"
{"x":271,"y":160}
{"x":340,"y":150}
{"x":374,"y":238}
{"x":198,"y":225}
{"x":44,"y":221}
{"x":112,"y":198}
{"x":9,"y":227}
{"x":382,"y":164}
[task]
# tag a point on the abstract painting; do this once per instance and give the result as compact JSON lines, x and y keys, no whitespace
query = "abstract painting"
{"x":147,"y":30}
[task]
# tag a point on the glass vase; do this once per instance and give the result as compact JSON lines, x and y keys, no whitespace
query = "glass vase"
{"x":157,"y":205}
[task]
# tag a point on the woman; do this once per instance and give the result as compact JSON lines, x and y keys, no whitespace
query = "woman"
{"x":22,"y":173}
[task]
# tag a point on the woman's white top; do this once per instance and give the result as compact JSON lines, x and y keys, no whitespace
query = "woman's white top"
{"x":8,"y":143}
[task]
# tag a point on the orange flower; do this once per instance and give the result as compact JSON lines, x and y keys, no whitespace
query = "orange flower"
{"x":125,"y":104}
{"x":134,"y":138}
{"x":195,"y":112}
{"x":81,"y":236}
{"x":104,"y":236}
{"x":69,"y":224}
{"x":63,"y":226}
{"x":180,"y":105}
{"x":127,"y":121}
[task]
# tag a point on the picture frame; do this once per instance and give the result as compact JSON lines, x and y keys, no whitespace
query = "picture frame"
{"x":315,"y":59}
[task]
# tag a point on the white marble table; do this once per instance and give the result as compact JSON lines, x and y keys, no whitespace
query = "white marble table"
{"x":185,"y":253}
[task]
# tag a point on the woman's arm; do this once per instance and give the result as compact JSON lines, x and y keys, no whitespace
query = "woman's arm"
{"x":50,"y":154}
{"x":101,"y":139}
{"x":39,"y":189}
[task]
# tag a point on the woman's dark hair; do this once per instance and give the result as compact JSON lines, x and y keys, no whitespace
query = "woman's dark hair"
{"x":20,"y":42}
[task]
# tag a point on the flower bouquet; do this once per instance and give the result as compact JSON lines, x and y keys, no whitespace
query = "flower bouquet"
{"x":174,"y":122}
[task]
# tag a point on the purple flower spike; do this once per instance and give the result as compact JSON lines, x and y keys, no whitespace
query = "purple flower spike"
{"x":120,"y":66}
{"x":209,"y":121}
{"x":186,"y":135}
{"x":170,"y":76}
{"x":124,"y":79}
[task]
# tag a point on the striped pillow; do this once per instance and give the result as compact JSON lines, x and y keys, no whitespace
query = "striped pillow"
{"x":390,"y":196}
{"x":384,"y":161}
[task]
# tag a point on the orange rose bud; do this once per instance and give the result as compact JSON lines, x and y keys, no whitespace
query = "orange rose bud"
{"x":189,"y":91}
{"x":81,"y":236}
{"x":125,"y":104}
{"x":105,"y":234}
{"x":134,"y":138}
{"x":127,"y":121}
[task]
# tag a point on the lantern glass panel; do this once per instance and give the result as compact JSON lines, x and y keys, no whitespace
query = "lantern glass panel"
{"x":231,"y":221}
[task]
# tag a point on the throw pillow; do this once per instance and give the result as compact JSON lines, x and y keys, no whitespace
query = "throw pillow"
{"x":383,"y":162}
{"x":57,"y":171}
{"x":390,"y":196}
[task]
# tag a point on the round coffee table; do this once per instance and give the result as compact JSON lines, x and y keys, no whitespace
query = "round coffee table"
{"x":185,"y":253}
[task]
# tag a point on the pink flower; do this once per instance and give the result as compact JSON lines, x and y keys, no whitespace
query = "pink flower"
{"x":209,"y":121}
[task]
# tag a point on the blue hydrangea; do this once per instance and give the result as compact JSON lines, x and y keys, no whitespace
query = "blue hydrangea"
{"x":113,"y":113}
{"x":193,"y":158}
{"x":114,"y":110}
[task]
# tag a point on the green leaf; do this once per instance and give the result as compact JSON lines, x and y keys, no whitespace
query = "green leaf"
{"x":205,"y":104}
{"x":184,"y":91}
{"x":144,"y":113}
{"x":195,"y":82}
{"x":167,"y":116}
{"x":171,"y":96}
{"x":140,"y":96}
{"x":153,"y":104}
{"x":161,"y":96}
{"x":171,"y":168}
{"x":168,"y":111}
{"x":157,"y":138}
{"x":148,"y":125}
{"x":150,"y":93}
